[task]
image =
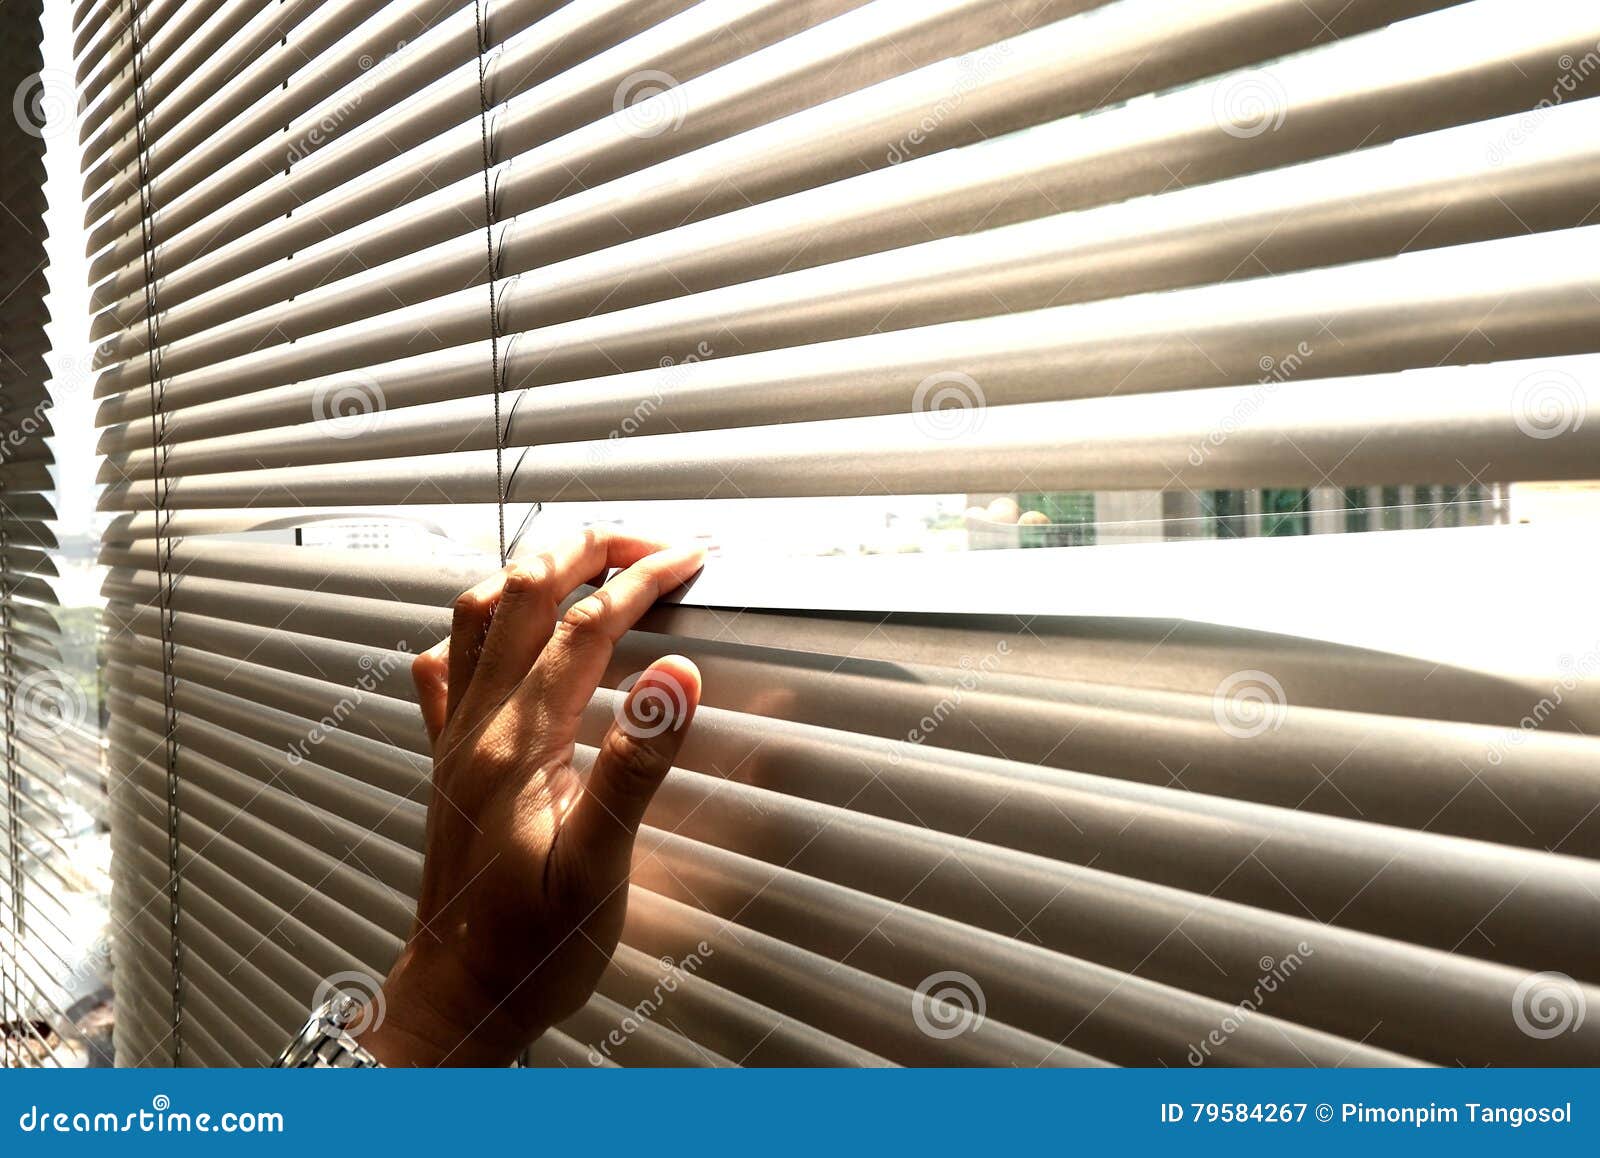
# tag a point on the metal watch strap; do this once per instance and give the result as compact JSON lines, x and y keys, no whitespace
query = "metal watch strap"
{"x":325,"y":1042}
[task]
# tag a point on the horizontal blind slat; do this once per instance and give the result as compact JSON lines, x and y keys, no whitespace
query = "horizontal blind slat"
{"x":358,"y":179}
{"x":1091,"y":64}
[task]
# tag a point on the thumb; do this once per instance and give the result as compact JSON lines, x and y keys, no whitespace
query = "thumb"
{"x":636,"y":754}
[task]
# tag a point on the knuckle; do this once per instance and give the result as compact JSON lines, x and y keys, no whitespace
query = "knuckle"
{"x":639,"y":766}
{"x":586,"y":617}
{"x":530,"y":576}
{"x":470,"y":604}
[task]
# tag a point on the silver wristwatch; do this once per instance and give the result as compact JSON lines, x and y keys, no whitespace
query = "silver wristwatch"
{"x":325,"y":1042}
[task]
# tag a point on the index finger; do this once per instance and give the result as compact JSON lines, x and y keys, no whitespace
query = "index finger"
{"x":570,"y":668}
{"x":519,"y":611}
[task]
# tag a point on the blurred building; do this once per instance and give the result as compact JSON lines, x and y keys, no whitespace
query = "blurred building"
{"x":1084,"y":518}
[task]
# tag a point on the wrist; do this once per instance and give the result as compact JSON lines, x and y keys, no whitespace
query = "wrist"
{"x":434,"y":1015}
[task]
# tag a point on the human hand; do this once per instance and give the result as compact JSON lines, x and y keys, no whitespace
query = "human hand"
{"x":525,"y":871}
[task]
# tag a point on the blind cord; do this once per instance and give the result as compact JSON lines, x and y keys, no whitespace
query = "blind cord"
{"x":159,"y":450}
{"x":533,"y":508}
{"x":11,"y":998}
{"x":494,"y":315}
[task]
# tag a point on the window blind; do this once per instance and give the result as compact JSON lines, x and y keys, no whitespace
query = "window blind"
{"x":51,"y":775}
{"x":966,"y":246}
